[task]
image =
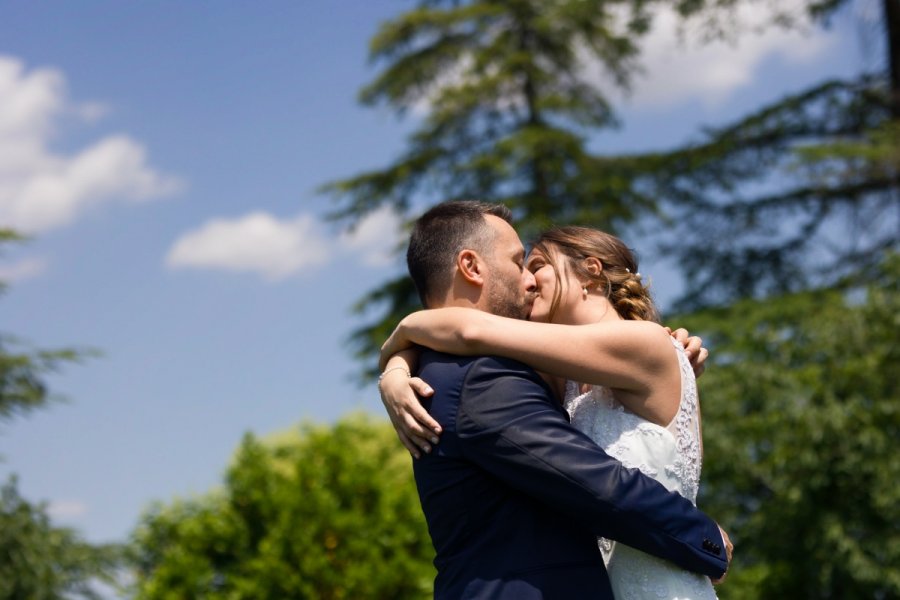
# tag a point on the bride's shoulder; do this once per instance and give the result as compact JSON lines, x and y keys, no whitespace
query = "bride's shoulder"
{"x":645,"y":337}
{"x":643,"y":328}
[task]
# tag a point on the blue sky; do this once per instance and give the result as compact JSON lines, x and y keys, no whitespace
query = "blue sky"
{"x":165,"y":158}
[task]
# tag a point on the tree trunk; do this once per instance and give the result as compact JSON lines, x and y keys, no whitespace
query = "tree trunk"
{"x":892,"y":31}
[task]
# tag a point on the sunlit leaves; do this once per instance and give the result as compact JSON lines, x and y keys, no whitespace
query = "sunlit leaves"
{"x":801,"y":413}
{"x":326,"y":512}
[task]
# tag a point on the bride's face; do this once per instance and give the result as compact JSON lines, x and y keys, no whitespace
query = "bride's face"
{"x":545,"y":276}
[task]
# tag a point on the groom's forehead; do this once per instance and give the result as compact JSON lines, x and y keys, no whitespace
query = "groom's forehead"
{"x":505,"y":232}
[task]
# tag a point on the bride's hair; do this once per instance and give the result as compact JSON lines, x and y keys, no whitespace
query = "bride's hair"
{"x":619,"y":275}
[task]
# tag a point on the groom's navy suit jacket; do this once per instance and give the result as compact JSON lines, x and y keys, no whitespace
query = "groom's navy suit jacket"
{"x":514,"y":496}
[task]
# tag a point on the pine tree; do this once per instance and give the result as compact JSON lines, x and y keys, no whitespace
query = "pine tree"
{"x":507,"y":117}
{"x":800,"y":194}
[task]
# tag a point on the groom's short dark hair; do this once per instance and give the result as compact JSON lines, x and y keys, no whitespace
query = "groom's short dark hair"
{"x":440,"y":234}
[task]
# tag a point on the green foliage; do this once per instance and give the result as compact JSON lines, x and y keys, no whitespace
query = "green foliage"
{"x":39,"y":561}
{"x":23,"y":369}
{"x":788,"y":197}
{"x":508,"y":113}
{"x":801,"y":415}
{"x":875,"y":156}
{"x":506,"y":105}
{"x":323,"y":512}
{"x":800,"y":194}
{"x":44,"y":562}
{"x":22,"y":385}
{"x":7,"y":236}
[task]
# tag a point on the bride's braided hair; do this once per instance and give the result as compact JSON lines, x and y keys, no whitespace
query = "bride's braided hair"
{"x":619,"y":275}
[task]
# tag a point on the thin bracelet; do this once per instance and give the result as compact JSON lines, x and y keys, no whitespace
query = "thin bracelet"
{"x":380,"y":377}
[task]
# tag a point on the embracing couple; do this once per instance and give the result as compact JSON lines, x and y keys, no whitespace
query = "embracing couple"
{"x":565,"y":413}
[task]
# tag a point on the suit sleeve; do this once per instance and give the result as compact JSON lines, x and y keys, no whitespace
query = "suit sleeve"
{"x":509,"y":426}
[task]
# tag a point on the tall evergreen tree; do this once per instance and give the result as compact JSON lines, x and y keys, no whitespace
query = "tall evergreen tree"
{"x":801,"y":193}
{"x":506,"y":116}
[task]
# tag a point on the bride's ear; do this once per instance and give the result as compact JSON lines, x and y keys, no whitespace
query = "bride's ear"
{"x":470,"y":266}
{"x":593,"y":265}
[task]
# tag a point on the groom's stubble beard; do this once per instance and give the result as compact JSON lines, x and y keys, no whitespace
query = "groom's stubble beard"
{"x":506,"y":299}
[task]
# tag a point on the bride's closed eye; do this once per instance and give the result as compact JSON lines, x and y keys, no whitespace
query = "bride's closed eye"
{"x":534,"y":265}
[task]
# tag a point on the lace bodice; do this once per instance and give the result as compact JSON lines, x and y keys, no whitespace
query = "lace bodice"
{"x":670,"y":455}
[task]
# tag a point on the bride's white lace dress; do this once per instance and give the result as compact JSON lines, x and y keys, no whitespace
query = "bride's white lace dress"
{"x":670,"y":455}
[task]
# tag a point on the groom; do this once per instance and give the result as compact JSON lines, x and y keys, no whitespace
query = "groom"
{"x":514,"y":496}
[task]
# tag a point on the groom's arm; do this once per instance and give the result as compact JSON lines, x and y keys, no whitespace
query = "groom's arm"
{"x":508,"y":426}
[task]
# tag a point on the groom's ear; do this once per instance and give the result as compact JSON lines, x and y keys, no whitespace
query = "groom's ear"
{"x":471,"y":266}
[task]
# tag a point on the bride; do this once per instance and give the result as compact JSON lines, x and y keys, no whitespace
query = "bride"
{"x":594,"y":335}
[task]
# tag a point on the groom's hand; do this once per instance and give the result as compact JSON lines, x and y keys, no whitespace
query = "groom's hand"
{"x":693,"y":347}
{"x":729,"y":550}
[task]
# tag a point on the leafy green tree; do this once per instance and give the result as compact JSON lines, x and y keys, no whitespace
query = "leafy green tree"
{"x":323,"y":512}
{"x":801,"y":416}
{"x":38,"y":560}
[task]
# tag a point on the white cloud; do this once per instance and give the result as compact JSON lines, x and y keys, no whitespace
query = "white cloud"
{"x":66,"y":509}
{"x":276,"y":249}
{"x":42,"y":190}
{"x":22,"y":269}
{"x":257,"y":242}
{"x":676,"y":71}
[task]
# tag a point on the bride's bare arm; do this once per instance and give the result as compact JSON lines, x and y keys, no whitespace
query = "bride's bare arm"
{"x":619,"y":354}
{"x":634,"y":358}
{"x":472,"y":332}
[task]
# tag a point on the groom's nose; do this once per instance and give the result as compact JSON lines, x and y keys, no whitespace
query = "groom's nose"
{"x":528,"y":281}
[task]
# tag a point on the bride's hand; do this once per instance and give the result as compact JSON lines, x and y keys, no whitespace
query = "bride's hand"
{"x":693,"y":348}
{"x":416,"y":429}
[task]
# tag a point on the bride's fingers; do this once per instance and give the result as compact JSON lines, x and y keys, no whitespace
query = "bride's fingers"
{"x":420,"y":387}
{"x":693,"y":344}
{"x":700,"y":363}
{"x":416,"y":428}
{"x":681,"y":334}
{"x":417,"y":434}
{"x":423,"y":390}
{"x":404,"y":439}
{"x":412,"y":435}
{"x":696,"y":353}
{"x":408,"y":444}
{"x":420,"y":424}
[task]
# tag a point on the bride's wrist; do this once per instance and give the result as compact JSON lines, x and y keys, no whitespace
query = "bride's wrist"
{"x":388,"y":371}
